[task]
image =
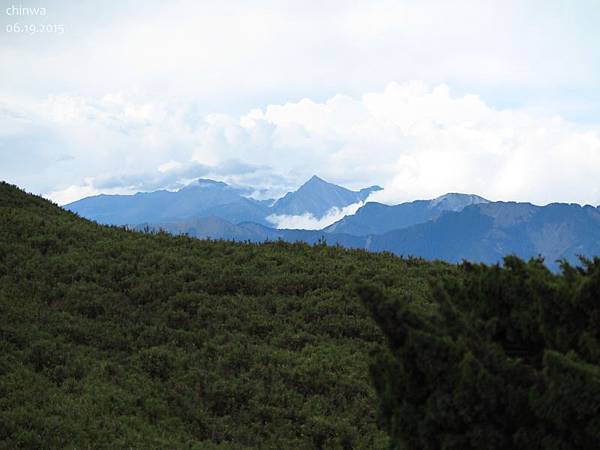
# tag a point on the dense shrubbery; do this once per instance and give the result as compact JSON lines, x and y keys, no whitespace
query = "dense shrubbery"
{"x":116,"y":339}
{"x":504,"y":358}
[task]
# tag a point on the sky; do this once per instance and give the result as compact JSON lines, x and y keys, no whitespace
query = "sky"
{"x":496,"y":98}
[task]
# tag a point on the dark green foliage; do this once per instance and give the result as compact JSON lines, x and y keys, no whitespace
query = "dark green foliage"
{"x":504,"y":358}
{"x":111,"y":338}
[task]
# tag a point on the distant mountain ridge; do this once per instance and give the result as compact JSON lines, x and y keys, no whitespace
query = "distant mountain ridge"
{"x":488,"y":231}
{"x":191,"y":201}
{"x":208,"y":198}
{"x":451,"y":227}
{"x":377,"y":218}
{"x":482,"y":232}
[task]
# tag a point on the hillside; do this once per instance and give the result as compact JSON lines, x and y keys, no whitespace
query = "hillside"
{"x":118,"y":339}
{"x":113,"y":338}
{"x":508,"y":358}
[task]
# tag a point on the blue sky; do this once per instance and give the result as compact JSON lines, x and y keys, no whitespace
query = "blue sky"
{"x":498,"y":98}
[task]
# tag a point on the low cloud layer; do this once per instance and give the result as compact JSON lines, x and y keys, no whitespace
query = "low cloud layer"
{"x":415,"y":140}
{"x":308,"y":221}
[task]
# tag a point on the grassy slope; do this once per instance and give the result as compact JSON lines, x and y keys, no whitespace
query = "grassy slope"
{"x":111,"y":338}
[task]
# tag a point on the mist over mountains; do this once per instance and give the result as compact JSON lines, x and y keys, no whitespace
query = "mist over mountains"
{"x":451,"y":227}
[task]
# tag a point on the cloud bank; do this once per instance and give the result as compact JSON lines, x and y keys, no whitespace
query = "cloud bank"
{"x":235,"y":55}
{"x":308,"y":221}
{"x":136,"y":97}
{"x":415,"y":140}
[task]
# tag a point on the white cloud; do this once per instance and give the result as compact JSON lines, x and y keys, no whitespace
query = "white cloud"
{"x":415,"y":140}
{"x":308,"y":221}
{"x":71,"y":194}
{"x":169,"y":166}
{"x":51,"y":144}
{"x":421,"y":142}
{"x":234,"y":55}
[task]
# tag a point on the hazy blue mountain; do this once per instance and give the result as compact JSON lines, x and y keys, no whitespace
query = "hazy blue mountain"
{"x":317,"y":196}
{"x":451,"y":227}
{"x":122,"y":209}
{"x":207,"y":198}
{"x":488,"y":231}
{"x":158,"y":206}
{"x":243,"y":210}
{"x":377,"y":218}
{"x":484,"y":231}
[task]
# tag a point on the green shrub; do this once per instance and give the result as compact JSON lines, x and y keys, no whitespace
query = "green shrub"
{"x":506,"y":357}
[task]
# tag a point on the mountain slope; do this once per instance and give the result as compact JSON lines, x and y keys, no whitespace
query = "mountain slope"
{"x":317,"y":196}
{"x":154,"y":207}
{"x":117,"y":339}
{"x":377,"y":218}
{"x":243,"y":210}
{"x":486,"y":232}
{"x":509,"y":360}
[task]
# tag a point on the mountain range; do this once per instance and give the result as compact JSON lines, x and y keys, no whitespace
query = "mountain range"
{"x":208,"y":198}
{"x":452,"y":227}
{"x":486,"y":232}
{"x":203,"y":198}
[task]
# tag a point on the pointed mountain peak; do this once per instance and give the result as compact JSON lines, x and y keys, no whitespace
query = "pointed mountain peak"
{"x":316,"y":184}
{"x":315,"y":180}
{"x":317,"y":197}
